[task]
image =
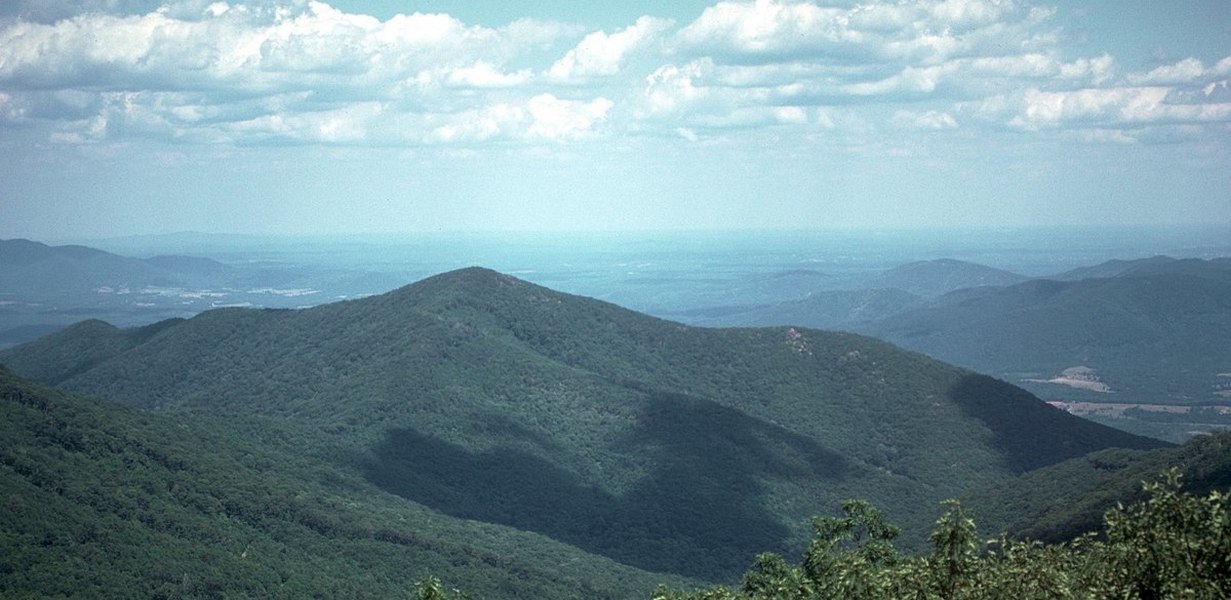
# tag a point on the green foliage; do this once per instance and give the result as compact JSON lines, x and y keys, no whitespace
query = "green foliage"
{"x":848,"y":552}
{"x":97,"y":500}
{"x":1173,"y":545}
{"x":1065,"y":500}
{"x":431,"y":589}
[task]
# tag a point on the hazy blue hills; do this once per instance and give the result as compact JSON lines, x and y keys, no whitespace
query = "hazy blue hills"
{"x":64,"y":271}
{"x":936,"y":277}
{"x":480,"y":397}
{"x":1149,"y":331}
{"x":845,"y":310}
{"x":43,"y":288}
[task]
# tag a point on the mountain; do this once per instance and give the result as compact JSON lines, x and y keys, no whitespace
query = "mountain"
{"x":44,"y":288}
{"x":839,"y":310}
{"x":861,"y":301}
{"x":63,"y":271}
{"x":663,"y":447}
{"x":1116,"y":268}
{"x":105,"y":501}
{"x":937,"y":277}
{"x":1059,"y":502}
{"x":1155,"y":333}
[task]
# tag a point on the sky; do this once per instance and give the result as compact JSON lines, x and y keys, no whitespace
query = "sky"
{"x":125,"y":117}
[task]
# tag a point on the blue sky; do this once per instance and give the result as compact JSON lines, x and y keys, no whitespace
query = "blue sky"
{"x":123,"y":117}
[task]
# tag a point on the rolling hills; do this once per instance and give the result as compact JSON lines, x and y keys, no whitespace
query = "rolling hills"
{"x":479,"y":397}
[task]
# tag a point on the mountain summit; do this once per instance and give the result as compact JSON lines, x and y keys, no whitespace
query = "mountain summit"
{"x":662,"y":446}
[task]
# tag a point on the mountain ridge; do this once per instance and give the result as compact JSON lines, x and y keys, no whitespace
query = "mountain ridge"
{"x":598,"y":404}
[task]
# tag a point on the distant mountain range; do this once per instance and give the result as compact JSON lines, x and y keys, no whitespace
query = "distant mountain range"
{"x":937,"y":277}
{"x":475,"y":397}
{"x":56,"y":272}
{"x":1156,"y":332}
{"x":1151,"y":331}
{"x":44,"y":288}
{"x":1145,"y":331}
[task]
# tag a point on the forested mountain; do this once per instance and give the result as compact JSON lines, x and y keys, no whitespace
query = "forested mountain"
{"x":1059,"y":502}
{"x":1157,"y":332}
{"x":100,"y":500}
{"x":661,"y":446}
{"x":1147,"y":331}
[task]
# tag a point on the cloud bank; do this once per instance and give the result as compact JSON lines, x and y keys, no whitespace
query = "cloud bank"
{"x":307,"y":73}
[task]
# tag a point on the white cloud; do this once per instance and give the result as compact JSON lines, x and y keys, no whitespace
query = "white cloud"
{"x":205,"y":71}
{"x":500,"y":120}
{"x":672,"y":89}
{"x":1035,"y":109}
{"x":600,"y":54}
{"x":923,"y":31}
{"x":555,"y":118}
{"x":1189,"y":70}
{"x":483,"y":75}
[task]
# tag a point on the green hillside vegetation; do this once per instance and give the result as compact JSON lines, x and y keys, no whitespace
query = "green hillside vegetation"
{"x":1068,"y":499}
{"x":1171,"y":544}
{"x":1156,"y":333}
{"x":103,"y":501}
{"x":667,"y":448}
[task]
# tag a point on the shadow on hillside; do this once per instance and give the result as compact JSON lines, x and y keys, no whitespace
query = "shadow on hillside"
{"x":698,"y":511}
{"x":1029,"y":433}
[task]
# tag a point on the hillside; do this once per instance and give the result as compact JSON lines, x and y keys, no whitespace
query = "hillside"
{"x":655,"y":444}
{"x":104,"y":501}
{"x":1156,"y":333}
{"x":1061,"y":501}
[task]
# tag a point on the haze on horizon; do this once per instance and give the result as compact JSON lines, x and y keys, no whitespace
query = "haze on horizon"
{"x":122,"y":117}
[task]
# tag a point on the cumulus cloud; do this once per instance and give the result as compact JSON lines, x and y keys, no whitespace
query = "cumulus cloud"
{"x":1035,"y":109}
{"x":1188,"y":70}
{"x":305,"y":72}
{"x":600,"y":54}
{"x":555,"y":118}
{"x":924,"y":31}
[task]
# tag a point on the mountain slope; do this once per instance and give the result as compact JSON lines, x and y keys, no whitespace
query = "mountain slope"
{"x":105,"y":501}
{"x":486,"y":397}
{"x":1156,"y":333}
{"x":1061,"y":501}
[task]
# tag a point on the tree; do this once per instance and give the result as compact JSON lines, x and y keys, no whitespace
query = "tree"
{"x":849,"y":554}
{"x":1172,"y":545}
